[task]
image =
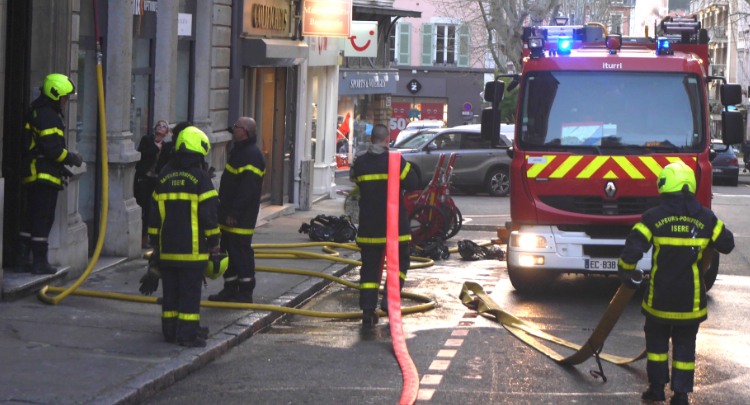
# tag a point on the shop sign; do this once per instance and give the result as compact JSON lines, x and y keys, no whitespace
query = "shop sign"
{"x":326,"y":18}
{"x":414,"y":86}
{"x":467,"y":109}
{"x":366,"y":83}
{"x":184,"y":24}
{"x":364,"y":40}
{"x":399,"y":118}
{"x":353,"y":82}
{"x":270,"y":18}
{"x":324,"y":51}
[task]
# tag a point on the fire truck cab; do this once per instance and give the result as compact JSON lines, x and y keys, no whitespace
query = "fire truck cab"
{"x":598,"y":117}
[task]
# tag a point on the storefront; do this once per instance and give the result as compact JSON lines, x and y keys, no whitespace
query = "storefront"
{"x":266,"y":69}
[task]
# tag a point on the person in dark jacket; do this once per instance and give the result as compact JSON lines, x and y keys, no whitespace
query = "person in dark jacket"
{"x":681,"y":231}
{"x":43,"y":168}
{"x":183,"y":228}
{"x":239,"y":193}
{"x":150,"y":147}
{"x":168,"y":148}
{"x":370,"y":173}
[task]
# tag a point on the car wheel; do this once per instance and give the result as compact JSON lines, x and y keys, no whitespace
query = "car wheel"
{"x":498,"y":182}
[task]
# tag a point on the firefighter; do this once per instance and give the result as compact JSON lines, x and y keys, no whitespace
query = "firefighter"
{"x":370,"y":173}
{"x":43,"y":162}
{"x":183,"y":227}
{"x":681,"y":231}
{"x":239,"y":193}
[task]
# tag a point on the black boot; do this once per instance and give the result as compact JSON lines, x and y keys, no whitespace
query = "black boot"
{"x":369,"y":317}
{"x":679,"y":398}
{"x":197,"y":342}
{"x":245,"y":295}
{"x":227,"y":293}
{"x":655,"y":392}
{"x":189,"y":334}
{"x":203,"y":332}
{"x":169,"y":329}
{"x":41,"y":265}
{"x":24,"y":261}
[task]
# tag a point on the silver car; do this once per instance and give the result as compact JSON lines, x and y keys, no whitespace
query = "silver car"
{"x":478,"y":166}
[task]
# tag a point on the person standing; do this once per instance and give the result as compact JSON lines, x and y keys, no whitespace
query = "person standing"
{"x":183,"y":228}
{"x":150,"y":147}
{"x":239,"y":192}
{"x":680,"y":230}
{"x":370,"y":173}
{"x":43,"y":162}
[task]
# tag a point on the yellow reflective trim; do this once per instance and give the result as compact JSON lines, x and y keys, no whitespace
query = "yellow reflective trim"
{"x":652,"y":165}
{"x":239,"y":231}
{"x":175,"y":196}
{"x":369,"y":286}
{"x":62,"y":156}
{"x":405,"y":171}
{"x":194,"y":226}
{"x":683,"y":365}
{"x":33,"y":173}
{"x":207,"y":195}
{"x":211,"y":232}
{"x":402,"y":238}
{"x":697,"y":283}
{"x":536,"y":168}
{"x":660,"y":240}
{"x":565,"y":167}
{"x":402,"y":275}
{"x":184,"y":257}
{"x":674,"y":159}
{"x":169,"y":314}
{"x":51,"y":131}
{"x":627,"y":266}
{"x":245,"y":168}
{"x":717,"y":230}
{"x":370,"y":177}
{"x":610,"y":175}
{"x":628,"y":167}
{"x":153,"y":231}
{"x":40,"y":176}
{"x":640,"y":227}
{"x":50,"y":178}
{"x":675,"y":315}
{"x":592,"y":167}
{"x":189,"y":317}
{"x":653,"y":275}
{"x":657,"y":356}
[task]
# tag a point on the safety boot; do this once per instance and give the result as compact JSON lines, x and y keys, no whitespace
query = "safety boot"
{"x":369,"y":317}
{"x":41,"y":265}
{"x":227,"y":293}
{"x":245,"y":294}
{"x":197,"y":342}
{"x":679,"y":398}
{"x":24,"y":261}
{"x":655,"y":392}
{"x":203,"y":332}
{"x":169,"y":329}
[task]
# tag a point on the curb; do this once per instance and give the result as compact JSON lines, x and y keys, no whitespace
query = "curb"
{"x":478,"y":227}
{"x":146,"y":385}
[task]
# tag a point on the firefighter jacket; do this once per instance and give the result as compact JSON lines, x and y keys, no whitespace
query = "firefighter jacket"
{"x":44,"y":144}
{"x":370,"y":173}
{"x":680,"y":230}
{"x":241,"y":187}
{"x":182,"y":221}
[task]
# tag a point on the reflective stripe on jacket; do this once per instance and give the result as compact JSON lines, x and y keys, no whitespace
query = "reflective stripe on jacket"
{"x":241,"y":187}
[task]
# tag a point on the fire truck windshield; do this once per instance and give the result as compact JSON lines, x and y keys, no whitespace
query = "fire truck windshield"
{"x":620,"y":112}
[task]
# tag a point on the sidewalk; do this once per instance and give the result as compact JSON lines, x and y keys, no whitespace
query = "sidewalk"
{"x":89,"y":350}
{"x":744,"y":178}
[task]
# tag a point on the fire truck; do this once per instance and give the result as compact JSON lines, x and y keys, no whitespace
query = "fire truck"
{"x":599,"y":116}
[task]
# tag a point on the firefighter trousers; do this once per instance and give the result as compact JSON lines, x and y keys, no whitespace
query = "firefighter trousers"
{"x":372,"y":259}
{"x":181,"y":303}
{"x":239,"y":248}
{"x":683,"y":354}
{"x":37,"y":217}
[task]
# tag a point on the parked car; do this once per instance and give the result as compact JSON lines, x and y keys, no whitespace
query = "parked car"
{"x":416,"y":126}
{"x":478,"y":166}
{"x":725,"y":165}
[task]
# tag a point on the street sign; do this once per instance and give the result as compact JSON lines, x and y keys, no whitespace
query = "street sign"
{"x":466,"y":109}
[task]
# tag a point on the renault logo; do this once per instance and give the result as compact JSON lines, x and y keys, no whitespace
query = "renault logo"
{"x":610,"y":189}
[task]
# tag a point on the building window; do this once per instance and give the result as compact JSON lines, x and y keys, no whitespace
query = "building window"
{"x":616,"y":24}
{"x":445,"y":44}
{"x":392,"y":51}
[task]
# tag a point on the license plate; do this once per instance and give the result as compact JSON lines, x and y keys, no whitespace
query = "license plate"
{"x":600,"y":264}
{"x":717,"y":170}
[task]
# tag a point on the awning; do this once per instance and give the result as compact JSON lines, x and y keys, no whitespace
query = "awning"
{"x":272,"y":52}
{"x":363,"y":12}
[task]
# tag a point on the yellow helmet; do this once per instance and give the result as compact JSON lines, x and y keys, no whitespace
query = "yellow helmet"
{"x":674,"y":177}
{"x":217,"y":265}
{"x":57,"y":85}
{"x":192,"y":139}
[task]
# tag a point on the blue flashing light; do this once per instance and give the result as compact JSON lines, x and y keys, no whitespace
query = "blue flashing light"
{"x":662,"y":47}
{"x":564,"y":45}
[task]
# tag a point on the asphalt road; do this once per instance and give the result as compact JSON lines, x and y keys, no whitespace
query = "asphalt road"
{"x":466,"y":359}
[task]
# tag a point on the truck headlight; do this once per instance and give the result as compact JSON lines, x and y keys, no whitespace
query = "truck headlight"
{"x":528,"y":261}
{"x":529,"y":241}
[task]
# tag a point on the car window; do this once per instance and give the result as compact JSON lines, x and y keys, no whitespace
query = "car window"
{"x":447,"y":141}
{"x":415,"y":140}
{"x":472,"y":140}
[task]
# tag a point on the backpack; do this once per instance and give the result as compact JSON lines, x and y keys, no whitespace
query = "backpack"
{"x":327,"y":228}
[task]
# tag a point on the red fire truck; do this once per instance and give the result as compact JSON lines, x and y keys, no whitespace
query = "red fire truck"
{"x":599,"y":115}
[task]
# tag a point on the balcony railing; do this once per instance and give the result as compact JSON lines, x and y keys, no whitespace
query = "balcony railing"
{"x":717,"y":33}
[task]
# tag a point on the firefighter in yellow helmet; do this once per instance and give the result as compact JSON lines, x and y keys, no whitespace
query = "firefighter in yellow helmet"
{"x":680,"y":230}
{"x":183,"y":227}
{"x":43,"y":168}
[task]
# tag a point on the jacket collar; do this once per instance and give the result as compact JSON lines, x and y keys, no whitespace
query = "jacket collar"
{"x":680,"y":204}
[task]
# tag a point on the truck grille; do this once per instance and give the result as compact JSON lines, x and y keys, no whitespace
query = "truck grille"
{"x":602,"y":251}
{"x":599,"y":231}
{"x":593,"y":205}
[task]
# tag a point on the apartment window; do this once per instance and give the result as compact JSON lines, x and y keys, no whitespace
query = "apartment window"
{"x":445,"y":44}
{"x":392,"y":52}
{"x":616,"y":23}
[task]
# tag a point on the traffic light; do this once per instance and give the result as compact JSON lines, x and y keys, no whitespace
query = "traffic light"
{"x":493,"y":93}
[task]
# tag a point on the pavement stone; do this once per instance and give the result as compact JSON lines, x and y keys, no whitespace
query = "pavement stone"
{"x":99,"y":351}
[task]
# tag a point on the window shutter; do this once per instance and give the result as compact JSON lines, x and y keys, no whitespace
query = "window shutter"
{"x":464,"y":47}
{"x":427,"y":48}
{"x":404,"y":43}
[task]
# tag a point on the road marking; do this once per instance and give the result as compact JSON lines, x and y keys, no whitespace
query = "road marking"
{"x":488,"y":216}
{"x":460,"y":332}
{"x":447,"y":353}
{"x":466,"y":323}
{"x":732,"y":195}
{"x":440,"y":365}
{"x":454,"y":342}
{"x":431,"y":379}
{"x":425,"y":394}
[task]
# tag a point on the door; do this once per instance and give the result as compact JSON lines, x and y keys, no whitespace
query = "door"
{"x":267,"y":89}
{"x":475,"y":157}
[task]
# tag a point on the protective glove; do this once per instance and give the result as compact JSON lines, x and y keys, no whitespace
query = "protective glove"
{"x":78,"y":159}
{"x":631,"y":279}
{"x":150,"y":280}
